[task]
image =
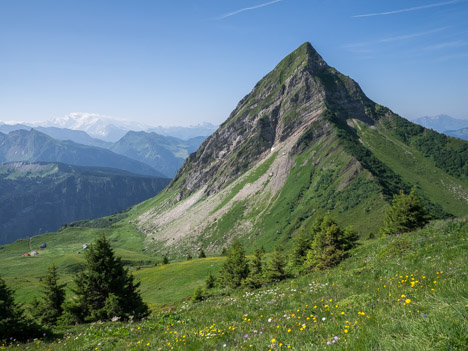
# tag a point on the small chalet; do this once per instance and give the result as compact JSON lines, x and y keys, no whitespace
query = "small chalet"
{"x":85,"y":246}
{"x":34,"y":253}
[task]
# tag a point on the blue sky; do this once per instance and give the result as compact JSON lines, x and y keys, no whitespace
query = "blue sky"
{"x":183,"y":62}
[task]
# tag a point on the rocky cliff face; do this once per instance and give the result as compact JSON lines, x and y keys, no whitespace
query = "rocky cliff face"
{"x":286,"y":101}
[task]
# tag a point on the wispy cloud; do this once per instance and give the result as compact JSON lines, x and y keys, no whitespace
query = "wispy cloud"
{"x":451,"y":57}
{"x":417,"y":8}
{"x":446,"y":45}
{"x":365,"y":46}
{"x":247,"y":9}
{"x":411,"y":36}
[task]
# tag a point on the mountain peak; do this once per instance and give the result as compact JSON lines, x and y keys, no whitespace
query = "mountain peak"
{"x":313,"y":58}
{"x":304,"y":57}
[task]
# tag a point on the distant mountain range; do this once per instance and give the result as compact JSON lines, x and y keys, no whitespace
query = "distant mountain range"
{"x":40,"y":197}
{"x":445,"y":124}
{"x":185,"y":133}
{"x":163,"y":153}
{"x":460,"y":133}
{"x":108,"y":128}
{"x":97,"y":126}
{"x":166,"y":154}
{"x":34,"y":146}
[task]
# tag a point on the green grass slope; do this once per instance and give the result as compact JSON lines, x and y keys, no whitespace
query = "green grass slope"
{"x":406,"y":292}
{"x":410,"y":164}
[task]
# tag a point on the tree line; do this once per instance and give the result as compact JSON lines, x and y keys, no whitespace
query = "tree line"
{"x":320,"y":247}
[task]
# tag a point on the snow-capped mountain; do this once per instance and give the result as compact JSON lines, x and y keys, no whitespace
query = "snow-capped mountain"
{"x":98,"y":126}
{"x":109,"y":128}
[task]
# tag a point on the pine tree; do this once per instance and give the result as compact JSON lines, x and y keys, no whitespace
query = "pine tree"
{"x":405,"y":214}
{"x":235,"y":268}
{"x":276,"y":268}
{"x":202,"y":254}
{"x":329,"y":245}
{"x":210,"y":281}
{"x":50,"y":307}
{"x":165,"y":259}
{"x":13,"y":322}
{"x":301,"y":245}
{"x":198,"y":295}
{"x":255,"y":278}
{"x":105,"y":289}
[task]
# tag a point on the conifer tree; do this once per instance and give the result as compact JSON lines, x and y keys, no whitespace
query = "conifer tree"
{"x":201,"y":254}
{"x":301,"y":245}
{"x":198,"y":295}
{"x":105,"y":289}
{"x":235,"y":268}
{"x":13,"y":322}
{"x":276,"y":268}
{"x":329,"y":245}
{"x":210,"y":281}
{"x":165,"y":259}
{"x":405,"y":214}
{"x":50,"y":307}
{"x":255,"y":278}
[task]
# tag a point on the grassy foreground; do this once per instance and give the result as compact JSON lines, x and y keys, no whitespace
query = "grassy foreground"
{"x":407,"y":292}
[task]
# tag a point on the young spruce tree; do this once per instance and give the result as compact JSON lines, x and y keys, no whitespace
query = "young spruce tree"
{"x":405,"y":214}
{"x":255,"y":278}
{"x":50,"y":307}
{"x":13,"y":323}
{"x":275,"y":270}
{"x":235,"y":268}
{"x":105,"y":289}
{"x":329,"y":244}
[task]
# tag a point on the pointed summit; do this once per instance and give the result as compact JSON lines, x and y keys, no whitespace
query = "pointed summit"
{"x":282,"y":104}
{"x":305,"y":56}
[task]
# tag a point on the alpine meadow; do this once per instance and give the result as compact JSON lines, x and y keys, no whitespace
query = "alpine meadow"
{"x":312,"y":218}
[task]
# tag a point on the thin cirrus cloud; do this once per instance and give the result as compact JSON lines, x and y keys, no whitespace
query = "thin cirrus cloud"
{"x":364,"y":46}
{"x":446,"y":45}
{"x":417,"y":8}
{"x":247,"y":9}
